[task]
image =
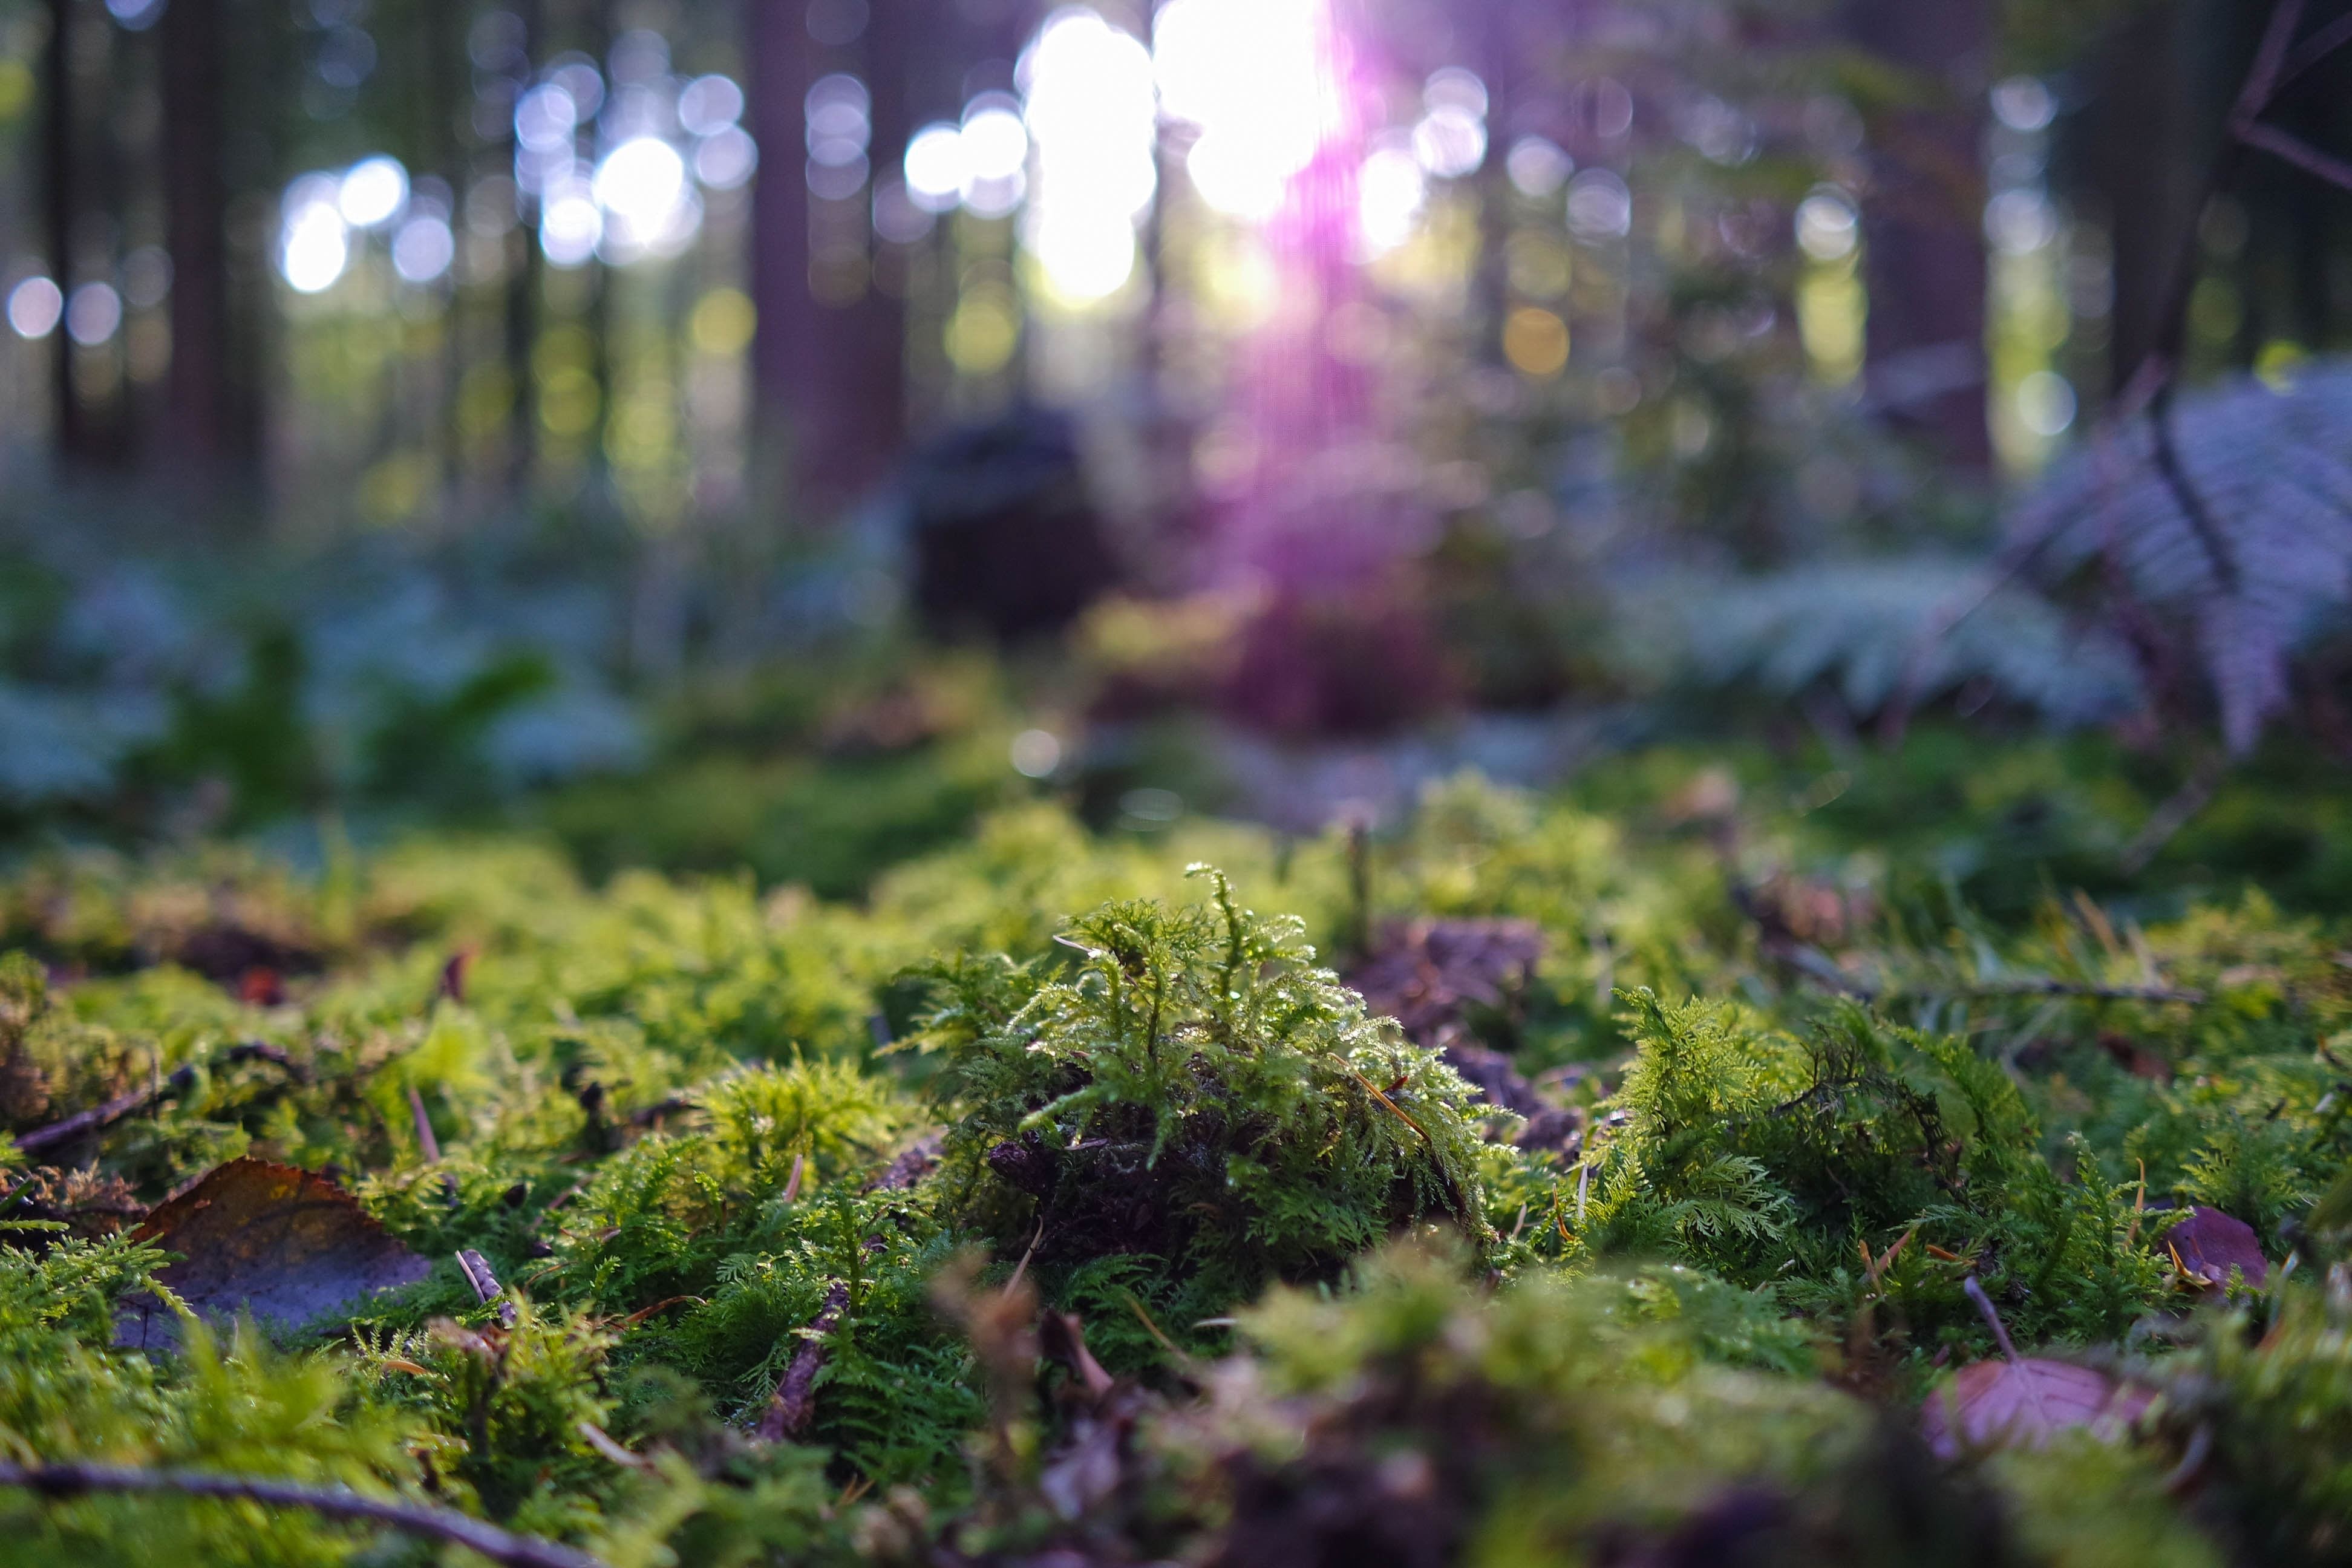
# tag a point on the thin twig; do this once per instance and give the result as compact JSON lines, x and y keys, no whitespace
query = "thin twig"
{"x":70,"y":1480}
{"x":1022,"y":1268}
{"x":427,"y":1143}
{"x":487,"y":1288}
{"x":2315,"y":50}
{"x":794,"y":1404}
{"x":2263,"y":78}
{"x":99,"y":1117}
{"x":2301,"y":153}
{"x":1984,"y":1305}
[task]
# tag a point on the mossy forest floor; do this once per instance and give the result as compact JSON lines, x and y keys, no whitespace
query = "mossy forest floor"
{"x":1889,"y":1163}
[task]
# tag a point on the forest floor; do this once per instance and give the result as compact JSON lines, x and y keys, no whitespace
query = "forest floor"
{"x":1897,"y":1157}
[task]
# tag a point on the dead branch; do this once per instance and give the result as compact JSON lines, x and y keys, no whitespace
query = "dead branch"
{"x":426,"y":1142}
{"x":99,"y":1117}
{"x":487,"y":1288}
{"x":2301,"y":153}
{"x":502,"y":1546}
{"x":794,"y":1404}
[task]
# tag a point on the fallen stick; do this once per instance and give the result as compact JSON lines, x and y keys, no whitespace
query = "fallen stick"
{"x":427,"y":1145}
{"x":487,"y":1288}
{"x":99,"y":1117}
{"x":794,"y":1404}
{"x":500,"y":1546}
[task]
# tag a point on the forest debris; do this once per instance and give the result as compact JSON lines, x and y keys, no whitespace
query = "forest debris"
{"x":91,"y":1203}
{"x":286,"y":1245}
{"x":792,"y":1408}
{"x":1491,"y":1072}
{"x":913,"y":1163}
{"x":487,"y":1288}
{"x":1562,"y":1132}
{"x":2208,"y":1244}
{"x":661,"y":1110}
{"x":2139,"y":1060}
{"x":596,"y":1437}
{"x":1063,"y":1337}
{"x":2022,"y":1402}
{"x":427,"y":1145}
{"x":235,"y":955}
{"x":1430,"y":973}
{"x":99,"y":1117}
{"x":500,"y":1546}
{"x":264,"y":1052}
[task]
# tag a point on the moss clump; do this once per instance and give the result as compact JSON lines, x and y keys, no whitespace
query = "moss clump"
{"x":1197,"y":1092}
{"x":1860,"y":1168}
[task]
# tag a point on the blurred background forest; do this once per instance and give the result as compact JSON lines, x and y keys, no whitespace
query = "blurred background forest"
{"x":773,"y":432}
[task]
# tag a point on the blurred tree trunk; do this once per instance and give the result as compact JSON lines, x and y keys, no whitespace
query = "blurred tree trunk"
{"x":61,"y":176}
{"x":874,"y":327}
{"x":212,"y":426}
{"x":2147,"y":149}
{"x":829,"y":377}
{"x":523,"y":292}
{"x":783,"y":342}
{"x":1922,"y":222}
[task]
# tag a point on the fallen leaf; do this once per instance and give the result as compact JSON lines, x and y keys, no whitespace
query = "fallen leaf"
{"x":2023,"y":1403}
{"x":2208,"y":1243}
{"x":288,"y":1246}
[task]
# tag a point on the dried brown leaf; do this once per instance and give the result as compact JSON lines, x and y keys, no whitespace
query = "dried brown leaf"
{"x":285,"y":1245}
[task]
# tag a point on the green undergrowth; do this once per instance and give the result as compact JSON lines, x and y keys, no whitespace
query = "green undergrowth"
{"x":1046,"y":1088}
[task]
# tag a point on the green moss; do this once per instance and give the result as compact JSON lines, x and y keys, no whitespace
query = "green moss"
{"x":1196,"y":1091}
{"x":662,"y":1110}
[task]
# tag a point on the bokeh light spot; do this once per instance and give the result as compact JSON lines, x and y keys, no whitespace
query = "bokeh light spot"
{"x":1035,"y":753}
{"x":372,"y":191}
{"x":723,"y":322}
{"x":34,"y":307}
{"x":1536,"y":341}
{"x":984,"y":332}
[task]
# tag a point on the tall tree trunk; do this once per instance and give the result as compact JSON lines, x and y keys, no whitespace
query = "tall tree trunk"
{"x":872,"y":354}
{"x":2149,"y":145}
{"x":61,"y":189}
{"x":211,"y":429}
{"x":1923,"y":223}
{"x":829,"y":378}
{"x":524,"y":286}
{"x":783,"y":344}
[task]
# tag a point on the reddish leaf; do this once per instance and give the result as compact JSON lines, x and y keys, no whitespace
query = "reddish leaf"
{"x":2208,"y":1243}
{"x":288,"y":1246}
{"x":2023,"y":1403}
